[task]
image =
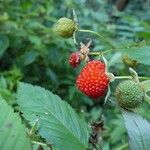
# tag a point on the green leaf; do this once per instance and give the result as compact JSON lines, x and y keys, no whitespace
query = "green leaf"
{"x":35,"y":40}
{"x":3,"y":84}
{"x":142,"y":54}
{"x":58,"y":123}
{"x":12,"y":132}
{"x":138,"y":130}
{"x":29,"y":57}
{"x":4,"y":43}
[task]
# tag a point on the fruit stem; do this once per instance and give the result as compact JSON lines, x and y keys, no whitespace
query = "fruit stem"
{"x":122,"y":147}
{"x":95,"y":53}
{"x":99,"y":35}
{"x":130,"y":77}
{"x":74,"y":38}
{"x":39,"y":143}
{"x":99,"y":53}
{"x":42,"y":144}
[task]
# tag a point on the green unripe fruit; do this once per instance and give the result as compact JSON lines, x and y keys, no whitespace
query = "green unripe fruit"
{"x":65,"y":27}
{"x":129,"y":94}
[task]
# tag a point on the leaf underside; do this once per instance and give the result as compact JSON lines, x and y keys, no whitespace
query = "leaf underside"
{"x":12,"y":132}
{"x":138,"y":130}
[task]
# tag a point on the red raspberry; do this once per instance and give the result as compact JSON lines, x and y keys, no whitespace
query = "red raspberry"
{"x":74,"y":59}
{"x":93,"y":80}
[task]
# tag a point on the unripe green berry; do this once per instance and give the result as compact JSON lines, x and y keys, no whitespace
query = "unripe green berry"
{"x":65,"y":27}
{"x":129,"y":94}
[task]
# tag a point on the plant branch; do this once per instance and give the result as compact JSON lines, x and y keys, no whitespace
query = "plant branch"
{"x":43,"y":144}
{"x":133,"y":45}
{"x":99,"y":52}
{"x":99,"y":35}
{"x":130,"y":77}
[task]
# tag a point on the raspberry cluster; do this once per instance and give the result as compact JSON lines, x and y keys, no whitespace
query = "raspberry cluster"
{"x":93,"y":80}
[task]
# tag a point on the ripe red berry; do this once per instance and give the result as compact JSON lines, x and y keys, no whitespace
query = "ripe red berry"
{"x":74,"y":59}
{"x":93,"y":80}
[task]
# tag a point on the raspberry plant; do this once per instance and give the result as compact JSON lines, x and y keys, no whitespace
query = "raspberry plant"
{"x":40,"y":119}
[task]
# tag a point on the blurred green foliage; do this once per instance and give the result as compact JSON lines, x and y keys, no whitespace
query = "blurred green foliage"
{"x":31,"y":52}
